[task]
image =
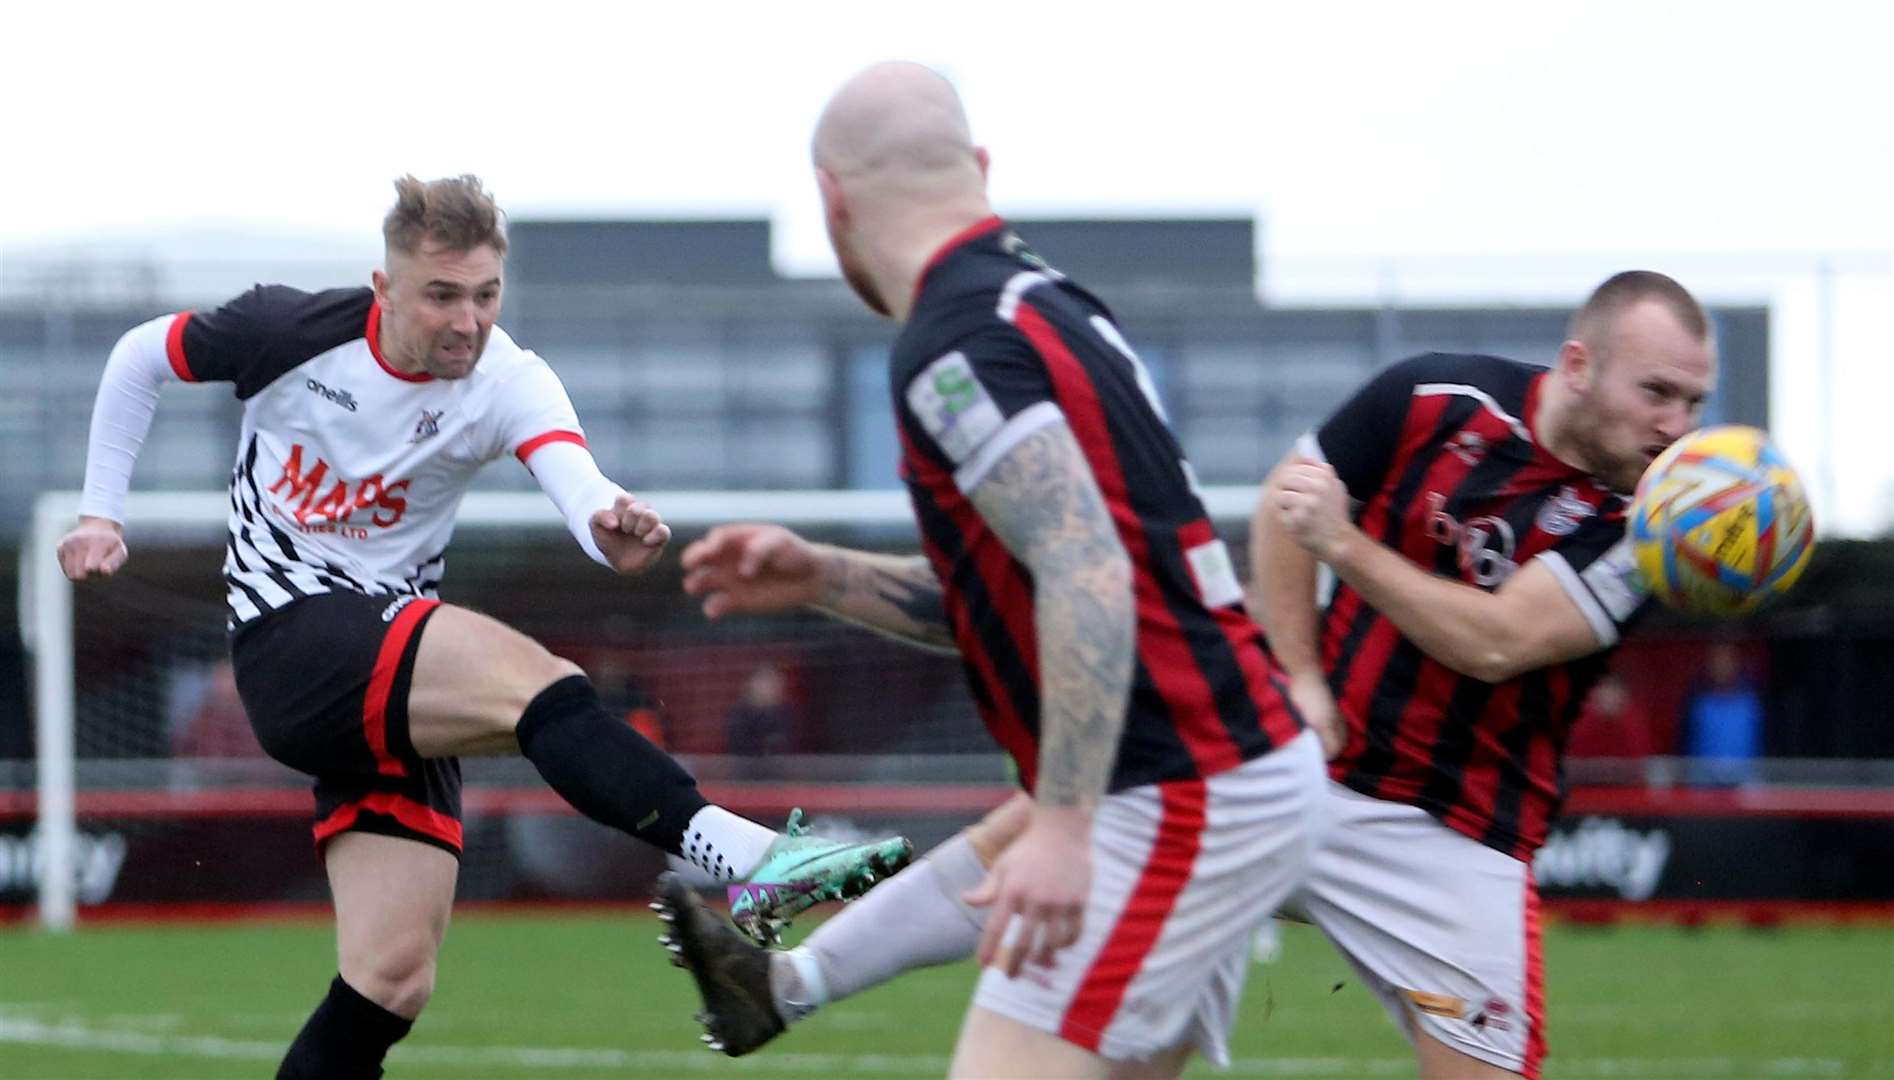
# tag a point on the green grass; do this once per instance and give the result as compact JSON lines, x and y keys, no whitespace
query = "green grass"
{"x":586,"y":996}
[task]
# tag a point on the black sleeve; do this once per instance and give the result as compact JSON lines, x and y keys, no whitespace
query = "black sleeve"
{"x":218,"y":346}
{"x":963,"y":400}
{"x":1599,"y":572}
{"x":267,"y":331}
{"x":1360,"y":437}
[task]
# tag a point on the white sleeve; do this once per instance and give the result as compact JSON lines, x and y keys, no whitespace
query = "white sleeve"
{"x":534,"y":409}
{"x":538,"y":425}
{"x":121,"y":416}
{"x":568,"y":475}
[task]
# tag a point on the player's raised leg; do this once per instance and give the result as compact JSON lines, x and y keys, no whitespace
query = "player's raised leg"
{"x":918,"y":919}
{"x":392,"y":901}
{"x":481,"y":687}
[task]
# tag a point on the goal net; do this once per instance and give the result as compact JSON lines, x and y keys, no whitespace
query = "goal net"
{"x":149,"y":791}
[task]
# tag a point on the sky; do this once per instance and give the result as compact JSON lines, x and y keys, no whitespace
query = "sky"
{"x":1471,"y":152}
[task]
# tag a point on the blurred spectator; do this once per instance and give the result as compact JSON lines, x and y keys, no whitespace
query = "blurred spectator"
{"x":212,"y":723}
{"x":1613,"y":724}
{"x":761,"y":723}
{"x":624,"y":694}
{"x":645,"y":720}
{"x":1722,"y":720}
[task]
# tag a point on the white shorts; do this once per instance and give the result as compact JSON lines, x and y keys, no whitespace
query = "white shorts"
{"x":1183,"y":872}
{"x":1442,"y":928}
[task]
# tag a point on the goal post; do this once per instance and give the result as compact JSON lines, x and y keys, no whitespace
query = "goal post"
{"x":46,"y":631}
{"x":50,"y":628}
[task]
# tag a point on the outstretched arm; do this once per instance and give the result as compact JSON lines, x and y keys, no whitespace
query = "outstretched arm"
{"x":615,"y":528}
{"x":892,"y":594}
{"x":751,"y":568}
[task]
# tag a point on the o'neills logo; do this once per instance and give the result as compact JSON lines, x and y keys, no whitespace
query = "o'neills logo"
{"x":340,"y":397}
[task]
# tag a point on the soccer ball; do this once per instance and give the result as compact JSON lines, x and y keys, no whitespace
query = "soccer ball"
{"x":1720,"y":524}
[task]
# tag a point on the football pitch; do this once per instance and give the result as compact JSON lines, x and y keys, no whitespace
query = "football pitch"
{"x":566,"y":995}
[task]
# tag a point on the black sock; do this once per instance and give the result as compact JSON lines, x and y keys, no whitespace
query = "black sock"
{"x":606,"y":770}
{"x":344,"y":1039}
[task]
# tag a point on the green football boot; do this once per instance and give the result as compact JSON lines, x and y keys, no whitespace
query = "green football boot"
{"x":799,"y":871}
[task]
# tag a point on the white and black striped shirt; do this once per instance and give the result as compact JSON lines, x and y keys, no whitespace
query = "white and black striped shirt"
{"x":348,"y":472}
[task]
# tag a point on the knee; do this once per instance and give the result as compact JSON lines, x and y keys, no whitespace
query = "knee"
{"x":398,"y":976}
{"x":558,"y":667}
{"x":411,"y":996}
{"x":544,"y":671}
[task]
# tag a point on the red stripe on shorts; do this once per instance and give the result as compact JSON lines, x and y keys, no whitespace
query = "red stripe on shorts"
{"x":1535,"y":983}
{"x":381,"y":683}
{"x":1166,"y":873}
{"x":422,"y":819}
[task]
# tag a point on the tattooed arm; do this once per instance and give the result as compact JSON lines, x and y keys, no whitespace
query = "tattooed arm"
{"x":760,"y":568}
{"x":1043,"y":503}
{"x":1041,"y":500}
{"x":890,"y":594}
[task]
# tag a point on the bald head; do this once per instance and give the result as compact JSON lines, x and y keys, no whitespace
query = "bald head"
{"x":897,"y":123}
{"x":899,"y":176}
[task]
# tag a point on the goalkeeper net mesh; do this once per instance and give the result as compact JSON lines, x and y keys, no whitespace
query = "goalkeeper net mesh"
{"x":175,"y":804}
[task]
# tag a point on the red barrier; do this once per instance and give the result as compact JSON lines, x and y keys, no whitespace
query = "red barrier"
{"x":778,"y":798}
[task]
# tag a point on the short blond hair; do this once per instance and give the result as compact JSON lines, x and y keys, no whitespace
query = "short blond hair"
{"x":455,"y":212}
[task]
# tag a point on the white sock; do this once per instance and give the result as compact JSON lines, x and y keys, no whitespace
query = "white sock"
{"x":695,"y":876}
{"x":796,"y":983}
{"x":912,"y":920}
{"x":725,"y":846}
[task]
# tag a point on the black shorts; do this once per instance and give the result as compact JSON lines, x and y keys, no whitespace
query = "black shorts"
{"x":325,"y":681}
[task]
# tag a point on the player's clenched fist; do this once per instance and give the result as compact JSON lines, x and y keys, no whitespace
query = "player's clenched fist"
{"x":750,"y":568}
{"x":630,"y":534}
{"x":1312,"y":504}
{"x":96,"y":546}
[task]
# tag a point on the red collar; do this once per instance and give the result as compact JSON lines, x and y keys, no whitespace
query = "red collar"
{"x":373,"y":334}
{"x":974,"y":231}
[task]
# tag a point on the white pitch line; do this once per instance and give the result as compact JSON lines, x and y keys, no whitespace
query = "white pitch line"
{"x":70,"y":1035}
{"x":73,"y":1036}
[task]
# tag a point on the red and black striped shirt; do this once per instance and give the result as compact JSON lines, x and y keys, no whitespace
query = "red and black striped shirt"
{"x":1439,"y":455}
{"x":998,"y":346}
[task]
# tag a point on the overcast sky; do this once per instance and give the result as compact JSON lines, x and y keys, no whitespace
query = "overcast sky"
{"x":1484,"y":149}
